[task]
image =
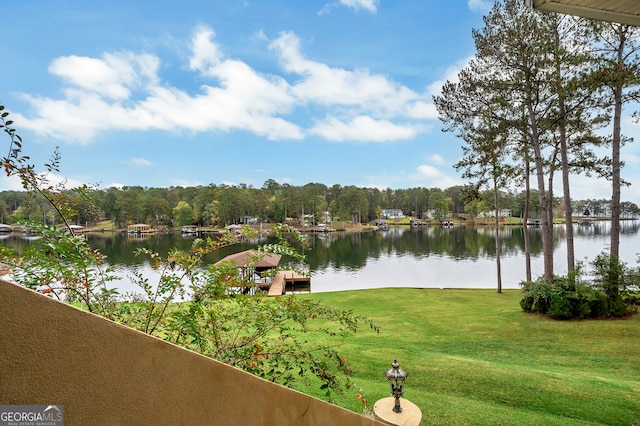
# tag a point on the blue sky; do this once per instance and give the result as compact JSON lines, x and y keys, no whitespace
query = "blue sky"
{"x":159,"y":93}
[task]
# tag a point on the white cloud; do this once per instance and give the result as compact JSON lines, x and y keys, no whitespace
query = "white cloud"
{"x":79,"y":117}
{"x":185,"y":183}
{"x":113,"y":76}
{"x":370,"y":5}
{"x":425,"y":176}
{"x":437,"y":159}
{"x":123,"y":91}
{"x":328,"y":86}
{"x":436,"y":178}
{"x":58,"y":181}
{"x":429,"y":172}
{"x":244,"y":99}
{"x":13,"y":183}
{"x":480,"y":5}
{"x":362,"y":128}
{"x":260,"y":35}
{"x":422,"y":110}
{"x":140,"y":162}
{"x":204,"y":52}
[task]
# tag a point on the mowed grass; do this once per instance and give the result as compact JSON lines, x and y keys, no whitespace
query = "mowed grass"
{"x":475,"y":358}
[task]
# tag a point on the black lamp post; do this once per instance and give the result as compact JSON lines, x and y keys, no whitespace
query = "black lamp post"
{"x":396,"y":377}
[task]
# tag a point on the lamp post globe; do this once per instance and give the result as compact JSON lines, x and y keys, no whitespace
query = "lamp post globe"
{"x":396,"y":377}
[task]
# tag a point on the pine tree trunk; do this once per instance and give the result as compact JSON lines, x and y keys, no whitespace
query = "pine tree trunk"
{"x":497,"y":224}
{"x":525,"y":225}
{"x":562,"y":128}
{"x":615,"y":175}
{"x":547,"y":236}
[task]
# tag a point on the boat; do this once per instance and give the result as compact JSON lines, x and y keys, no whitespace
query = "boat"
{"x":381,"y":225}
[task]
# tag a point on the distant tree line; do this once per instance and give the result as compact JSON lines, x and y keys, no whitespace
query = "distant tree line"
{"x":220,"y":205}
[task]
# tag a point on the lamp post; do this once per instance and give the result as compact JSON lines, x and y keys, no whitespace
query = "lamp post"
{"x":396,"y":376}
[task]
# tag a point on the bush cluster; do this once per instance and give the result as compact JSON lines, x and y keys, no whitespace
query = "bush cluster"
{"x":612,"y":292}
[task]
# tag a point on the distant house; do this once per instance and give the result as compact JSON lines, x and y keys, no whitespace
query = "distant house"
{"x":428,"y":215}
{"x":326,"y":217}
{"x":501,"y":213}
{"x":248,"y":220}
{"x":307,"y":220}
{"x":391,"y":214}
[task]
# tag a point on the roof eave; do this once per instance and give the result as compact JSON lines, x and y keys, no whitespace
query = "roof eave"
{"x":587,"y":12}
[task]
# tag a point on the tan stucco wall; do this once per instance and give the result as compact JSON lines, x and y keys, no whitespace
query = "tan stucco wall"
{"x":107,"y":374}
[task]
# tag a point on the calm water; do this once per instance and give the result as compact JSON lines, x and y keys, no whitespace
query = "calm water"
{"x":425,"y":257}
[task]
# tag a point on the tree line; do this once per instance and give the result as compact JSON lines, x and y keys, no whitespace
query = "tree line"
{"x":221,"y":205}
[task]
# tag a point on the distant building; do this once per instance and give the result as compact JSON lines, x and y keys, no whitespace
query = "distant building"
{"x":308,"y":220}
{"x":248,"y":220}
{"x":391,"y":214}
{"x":501,"y":213}
{"x":428,"y":215}
{"x":326,"y":217}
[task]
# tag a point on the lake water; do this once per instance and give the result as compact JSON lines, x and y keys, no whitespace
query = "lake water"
{"x":423,"y":257}
{"x":458,"y":257}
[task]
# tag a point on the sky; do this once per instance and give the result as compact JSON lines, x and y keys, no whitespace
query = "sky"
{"x":200,"y":92}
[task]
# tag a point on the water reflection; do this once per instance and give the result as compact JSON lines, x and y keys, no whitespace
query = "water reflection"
{"x":461,"y":243}
{"x":457,"y":257}
{"x":462,"y":257}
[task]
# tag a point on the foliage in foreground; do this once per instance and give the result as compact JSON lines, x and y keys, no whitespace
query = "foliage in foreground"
{"x":205,"y":310}
{"x":614,"y":291}
{"x":202,"y":310}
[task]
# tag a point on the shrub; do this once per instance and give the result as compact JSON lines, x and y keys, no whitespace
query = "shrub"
{"x":592,"y":303}
{"x":618,"y":282}
{"x":561,"y":307}
{"x":537,"y":296}
{"x":612,"y":293}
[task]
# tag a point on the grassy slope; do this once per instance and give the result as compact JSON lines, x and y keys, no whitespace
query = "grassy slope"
{"x":474,"y":357}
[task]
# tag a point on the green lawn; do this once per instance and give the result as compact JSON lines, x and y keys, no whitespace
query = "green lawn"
{"x":474,"y":357}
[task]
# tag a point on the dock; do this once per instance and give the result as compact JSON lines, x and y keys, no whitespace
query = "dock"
{"x":282,"y":278}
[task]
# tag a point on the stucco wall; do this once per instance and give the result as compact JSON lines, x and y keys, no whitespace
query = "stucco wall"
{"x":107,"y":374}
